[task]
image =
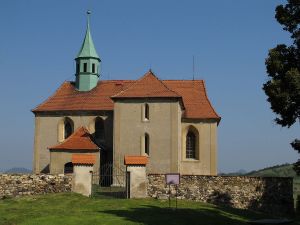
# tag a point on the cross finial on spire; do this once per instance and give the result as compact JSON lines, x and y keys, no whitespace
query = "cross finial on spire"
{"x":88,"y":12}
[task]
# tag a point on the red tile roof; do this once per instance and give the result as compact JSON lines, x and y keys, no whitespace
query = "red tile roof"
{"x":196,"y":102}
{"x":192,"y":93}
{"x":147,"y":86}
{"x":83,"y":159}
{"x":135,"y":160}
{"x":68,"y":98}
{"x":81,"y":139}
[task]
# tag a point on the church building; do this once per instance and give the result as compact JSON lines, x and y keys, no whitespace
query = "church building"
{"x":171,"y":122}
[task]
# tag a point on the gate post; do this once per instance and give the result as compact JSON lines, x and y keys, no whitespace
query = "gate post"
{"x":82,"y":176}
{"x":137,"y":184}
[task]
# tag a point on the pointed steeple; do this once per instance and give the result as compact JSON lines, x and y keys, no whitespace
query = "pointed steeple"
{"x":87,"y":62}
{"x":88,"y":47}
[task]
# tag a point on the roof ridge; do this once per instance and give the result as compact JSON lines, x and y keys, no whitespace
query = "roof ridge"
{"x":164,"y":84}
{"x":141,"y":78}
{"x":130,"y":86}
{"x":183,"y":80}
{"x":115,"y":81}
{"x":78,"y":133}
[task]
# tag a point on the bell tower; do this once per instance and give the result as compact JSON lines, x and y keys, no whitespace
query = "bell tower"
{"x":87,"y":62}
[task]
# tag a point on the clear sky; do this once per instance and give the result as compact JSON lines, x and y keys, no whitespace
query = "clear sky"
{"x":229,"y":39}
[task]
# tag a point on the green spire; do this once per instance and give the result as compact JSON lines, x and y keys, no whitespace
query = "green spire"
{"x":88,"y":48}
{"x":87,"y":62}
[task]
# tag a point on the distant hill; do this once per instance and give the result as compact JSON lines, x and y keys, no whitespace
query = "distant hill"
{"x":284,"y":170}
{"x":240,"y":172}
{"x":18,"y":170}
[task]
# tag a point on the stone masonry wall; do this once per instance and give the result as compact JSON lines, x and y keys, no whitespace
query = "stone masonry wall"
{"x":270,"y":194}
{"x":28,"y":184}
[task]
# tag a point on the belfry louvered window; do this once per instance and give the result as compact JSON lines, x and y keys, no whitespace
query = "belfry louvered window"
{"x":77,"y":68}
{"x":93,"y":68}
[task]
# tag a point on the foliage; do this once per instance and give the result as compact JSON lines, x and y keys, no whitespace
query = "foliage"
{"x":283,"y":68}
{"x":72,"y":208}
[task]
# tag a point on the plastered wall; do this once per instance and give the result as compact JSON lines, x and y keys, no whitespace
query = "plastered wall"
{"x":59,"y":158}
{"x":163,"y":127}
{"x":206,"y":160}
{"x":47,"y":134}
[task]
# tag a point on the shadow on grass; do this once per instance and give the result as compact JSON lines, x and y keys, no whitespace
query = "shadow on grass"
{"x":154,"y":215}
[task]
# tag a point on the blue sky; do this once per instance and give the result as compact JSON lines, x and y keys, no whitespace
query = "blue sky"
{"x":229,"y":39}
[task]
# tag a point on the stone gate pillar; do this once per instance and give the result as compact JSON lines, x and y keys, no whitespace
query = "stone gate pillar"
{"x":82,"y":173}
{"x":137,"y":182}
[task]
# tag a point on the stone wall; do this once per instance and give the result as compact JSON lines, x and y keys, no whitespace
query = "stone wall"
{"x":28,"y":184}
{"x":269,"y":194}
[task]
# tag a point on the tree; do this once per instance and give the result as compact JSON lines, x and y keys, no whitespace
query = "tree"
{"x":283,"y":68}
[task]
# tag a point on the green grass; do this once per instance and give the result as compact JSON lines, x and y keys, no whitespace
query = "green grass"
{"x":69,"y":208}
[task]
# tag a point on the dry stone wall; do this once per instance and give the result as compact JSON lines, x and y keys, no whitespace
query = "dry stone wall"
{"x":270,"y":194}
{"x":27,"y":184}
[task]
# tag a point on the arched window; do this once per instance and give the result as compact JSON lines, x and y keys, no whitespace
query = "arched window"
{"x":99,"y":129}
{"x":190,"y":145}
{"x":146,"y":116}
{"x":147,"y":144}
{"x":68,"y":128}
{"x":68,"y":168}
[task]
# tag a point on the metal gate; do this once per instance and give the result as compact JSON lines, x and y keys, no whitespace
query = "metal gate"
{"x":110,"y":182}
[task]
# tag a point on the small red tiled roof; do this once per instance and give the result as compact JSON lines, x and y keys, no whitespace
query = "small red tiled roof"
{"x":147,"y":86}
{"x":135,"y":160}
{"x":83,"y":159}
{"x":81,"y":139}
{"x":192,"y":93}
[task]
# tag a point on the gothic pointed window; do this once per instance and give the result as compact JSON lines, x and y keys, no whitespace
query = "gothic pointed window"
{"x":147,"y":144}
{"x":190,"y":145}
{"x":99,"y":129}
{"x":68,"y":128}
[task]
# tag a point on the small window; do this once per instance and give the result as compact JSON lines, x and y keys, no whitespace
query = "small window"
{"x":68,"y":168}
{"x":85,"y":67}
{"x":147,"y":143}
{"x":190,"y":145}
{"x":93,"y":68}
{"x":146,"y":116}
{"x":68,"y":128}
{"x":77,"y":68}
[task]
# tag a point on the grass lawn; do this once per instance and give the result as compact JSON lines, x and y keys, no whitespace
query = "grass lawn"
{"x":69,"y":208}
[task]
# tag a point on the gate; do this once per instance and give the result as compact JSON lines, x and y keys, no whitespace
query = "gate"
{"x":110,"y":182}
